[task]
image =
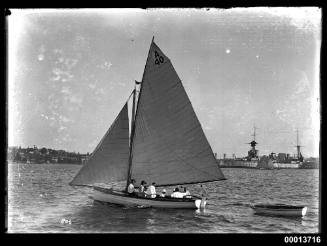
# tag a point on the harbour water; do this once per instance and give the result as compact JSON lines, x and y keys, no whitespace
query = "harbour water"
{"x":41,"y":201}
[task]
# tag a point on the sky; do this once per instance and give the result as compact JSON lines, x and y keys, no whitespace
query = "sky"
{"x":71,"y":71}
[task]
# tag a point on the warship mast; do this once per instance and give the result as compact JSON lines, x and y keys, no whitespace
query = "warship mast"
{"x":253,"y":153}
{"x":298,"y":147}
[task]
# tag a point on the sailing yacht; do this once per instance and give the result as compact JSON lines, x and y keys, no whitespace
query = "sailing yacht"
{"x":166,"y":145}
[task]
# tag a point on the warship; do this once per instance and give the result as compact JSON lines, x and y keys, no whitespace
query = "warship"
{"x":271,"y":161}
{"x":250,"y":161}
{"x":283,"y":160}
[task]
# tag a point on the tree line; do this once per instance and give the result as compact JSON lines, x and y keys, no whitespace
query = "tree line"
{"x":44,"y":155}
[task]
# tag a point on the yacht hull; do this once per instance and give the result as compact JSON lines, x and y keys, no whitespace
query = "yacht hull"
{"x":121,"y":198}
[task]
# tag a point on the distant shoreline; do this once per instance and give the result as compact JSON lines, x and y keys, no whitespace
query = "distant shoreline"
{"x":44,"y":155}
{"x":51,"y":163}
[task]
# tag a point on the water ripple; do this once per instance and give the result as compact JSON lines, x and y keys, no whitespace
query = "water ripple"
{"x":40,"y":201}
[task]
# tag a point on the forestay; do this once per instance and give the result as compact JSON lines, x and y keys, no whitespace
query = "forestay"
{"x":109,"y":161}
{"x":169,"y":145}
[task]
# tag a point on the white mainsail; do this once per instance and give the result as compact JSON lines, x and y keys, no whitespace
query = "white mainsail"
{"x":169,"y":145}
{"x":109,"y":161}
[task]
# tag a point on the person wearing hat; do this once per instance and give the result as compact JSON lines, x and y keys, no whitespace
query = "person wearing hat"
{"x":163,"y":193}
{"x":142,"y":189}
{"x":151,"y":191}
{"x":143,"y":183}
{"x":131,"y":188}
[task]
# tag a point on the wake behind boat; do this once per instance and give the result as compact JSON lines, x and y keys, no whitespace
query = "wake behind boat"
{"x":166,"y":145}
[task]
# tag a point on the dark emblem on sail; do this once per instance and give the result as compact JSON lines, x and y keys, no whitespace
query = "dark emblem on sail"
{"x":158,"y":58}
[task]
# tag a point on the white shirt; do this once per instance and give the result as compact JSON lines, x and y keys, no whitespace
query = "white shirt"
{"x":177,"y":194}
{"x":130,"y":188}
{"x":151,"y":191}
{"x":187,"y":193}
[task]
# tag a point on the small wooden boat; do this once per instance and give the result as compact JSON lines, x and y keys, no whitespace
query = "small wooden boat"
{"x":166,"y":143}
{"x":279,"y":210}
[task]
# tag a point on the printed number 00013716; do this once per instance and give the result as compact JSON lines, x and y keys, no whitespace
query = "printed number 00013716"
{"x":302,"y":239}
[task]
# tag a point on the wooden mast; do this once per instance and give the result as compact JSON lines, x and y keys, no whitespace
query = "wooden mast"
{"x":131,"y":140}
{"x":134,"y":113}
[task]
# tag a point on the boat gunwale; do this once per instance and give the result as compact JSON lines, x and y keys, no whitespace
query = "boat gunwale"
{"x":157,"y":198}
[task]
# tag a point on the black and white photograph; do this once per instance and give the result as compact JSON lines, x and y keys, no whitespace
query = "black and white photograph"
{"x":164,"y":120}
